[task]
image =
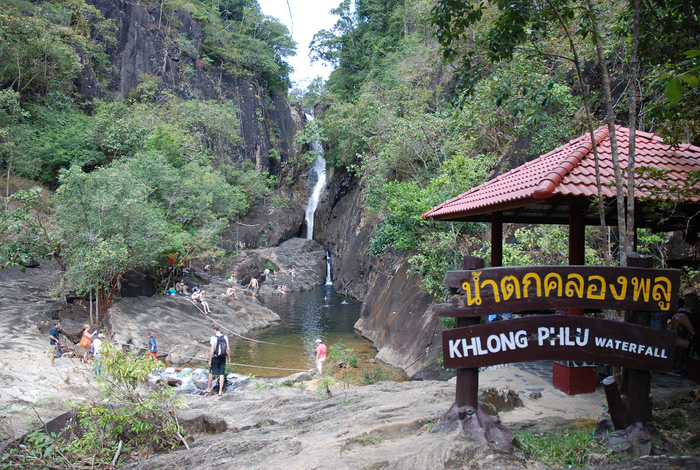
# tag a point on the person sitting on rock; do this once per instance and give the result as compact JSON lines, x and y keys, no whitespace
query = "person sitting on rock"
{"x":198,"y":296}
{"x":181,"y":287}
{"x":230,"y":291}
{"x":233,"y":279}
{"x":203,"y":301}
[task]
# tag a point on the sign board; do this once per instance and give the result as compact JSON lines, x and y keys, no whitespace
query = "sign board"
{"x":559,"y":337}
{"x":521,"y":288}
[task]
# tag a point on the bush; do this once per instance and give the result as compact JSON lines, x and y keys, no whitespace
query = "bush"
{"x":126,"y":421}
{"x":338,"y":353}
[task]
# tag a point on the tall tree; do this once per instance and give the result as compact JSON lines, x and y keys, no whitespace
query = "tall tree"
{"x":519,"y":24}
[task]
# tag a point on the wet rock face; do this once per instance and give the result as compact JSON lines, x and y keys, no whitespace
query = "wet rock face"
{"x":307,"y":257}
{"x":342,"y":230}
{"x":263,"y":227}
{"x":397,"y":314}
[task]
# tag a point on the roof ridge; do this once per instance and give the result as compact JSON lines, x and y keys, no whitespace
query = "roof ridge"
{"x":546,"y":186}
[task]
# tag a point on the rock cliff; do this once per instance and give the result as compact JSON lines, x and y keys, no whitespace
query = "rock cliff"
{"x":145,"y":45}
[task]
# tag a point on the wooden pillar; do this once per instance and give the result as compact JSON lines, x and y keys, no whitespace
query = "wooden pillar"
{"x":577,"y":235}
{"x":636,"y":384}
{"x":467,"y":390}
{"x":496,"y":239}
{"x":577,"y":242}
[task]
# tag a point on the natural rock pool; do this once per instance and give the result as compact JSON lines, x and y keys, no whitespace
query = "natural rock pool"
{"x":304,"y":316}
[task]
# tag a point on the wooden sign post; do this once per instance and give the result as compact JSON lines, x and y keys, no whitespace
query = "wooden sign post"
{"x":633,"y":345}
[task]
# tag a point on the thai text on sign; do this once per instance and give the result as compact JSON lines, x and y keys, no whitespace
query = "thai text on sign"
{"x":512,"y":289}
{"x":557,"y":337}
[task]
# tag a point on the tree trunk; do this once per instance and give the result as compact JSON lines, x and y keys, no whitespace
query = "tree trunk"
{"x":610,"y":119}
{"x":591,"y":131}
{"x":634,"y":65}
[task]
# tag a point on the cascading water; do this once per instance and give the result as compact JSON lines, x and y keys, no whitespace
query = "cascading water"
{"x":317,"y":171}
{"x":329,"y":280}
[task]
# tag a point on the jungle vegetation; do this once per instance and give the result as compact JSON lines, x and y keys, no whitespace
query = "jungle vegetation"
{"x":430,"y":98}
{"x":111,"y":185}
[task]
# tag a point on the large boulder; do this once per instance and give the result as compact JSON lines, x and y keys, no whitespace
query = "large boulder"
{"x":306,"y":257}
{"x":181,"y":328}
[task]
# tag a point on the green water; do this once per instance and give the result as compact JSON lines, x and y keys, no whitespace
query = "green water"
{"x":304,"y":316}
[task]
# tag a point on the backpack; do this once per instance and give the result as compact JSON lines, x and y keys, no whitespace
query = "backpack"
{"x":220,"y":348}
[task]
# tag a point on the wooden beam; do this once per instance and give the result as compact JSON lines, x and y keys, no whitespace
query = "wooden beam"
{"x":497,"y":239}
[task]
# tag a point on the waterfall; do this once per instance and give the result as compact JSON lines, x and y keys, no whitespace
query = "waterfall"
{"x":329,"y":281}
{"x":317,"y":171}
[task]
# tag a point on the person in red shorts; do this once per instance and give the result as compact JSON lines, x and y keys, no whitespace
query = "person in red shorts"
{"x":152,"y":348}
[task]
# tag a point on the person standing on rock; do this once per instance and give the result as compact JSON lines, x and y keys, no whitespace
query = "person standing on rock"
{"x":253,"y":285}
{"x":53,"y":341}
{"x":86,"y":341}
{"x":321,"y":354}
{"x":219,"y":351}
{"x":96,"y":345}
{"x":152,"y":348}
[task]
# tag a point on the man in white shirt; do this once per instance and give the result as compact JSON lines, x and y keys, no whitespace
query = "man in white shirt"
{"x":219,"y":352}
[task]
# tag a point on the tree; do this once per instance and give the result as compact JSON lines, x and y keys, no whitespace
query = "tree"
{"x":108,"y":227}
{"x":519,"y":24}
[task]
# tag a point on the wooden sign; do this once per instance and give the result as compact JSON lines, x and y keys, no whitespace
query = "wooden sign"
{"x":521,"y":288}
{"x":559,"y":337}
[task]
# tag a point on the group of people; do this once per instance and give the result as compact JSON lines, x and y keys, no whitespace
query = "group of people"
{"x":198,"y":296}
{"x":90,"y":348}
{"x":219,"y":352}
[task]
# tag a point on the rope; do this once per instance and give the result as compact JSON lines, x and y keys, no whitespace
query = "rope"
{"x":203,"y":359}
{"x":239,"y":335}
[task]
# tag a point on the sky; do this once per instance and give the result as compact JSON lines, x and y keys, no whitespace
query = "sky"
{"x":308,"y":17}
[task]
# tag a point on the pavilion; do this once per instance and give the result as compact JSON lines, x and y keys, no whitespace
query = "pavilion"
{"x":559,"y":188}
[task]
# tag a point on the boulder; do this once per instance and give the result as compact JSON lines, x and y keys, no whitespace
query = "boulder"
{"x":200,"y":422}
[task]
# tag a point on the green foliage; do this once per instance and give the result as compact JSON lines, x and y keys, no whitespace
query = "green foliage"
{"x":143,"y":422}
{"x":372,"y":375}
{"x":255,"y":185}
{"x":244,"y":41}
{"x":359,"y":41}
{"x":39,"y":148}
{"x":339,"y":353}
{"x":117,"y":131}
{"x":40,"y":450}
{"x":559,"y":450}
{"x":363,"y":439}
{"x":107,"y":225}
{"x":38,"y":42}
{"x":25,"y":229}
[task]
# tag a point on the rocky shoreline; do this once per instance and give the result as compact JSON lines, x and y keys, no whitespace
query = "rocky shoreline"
{"x":291,"y":422}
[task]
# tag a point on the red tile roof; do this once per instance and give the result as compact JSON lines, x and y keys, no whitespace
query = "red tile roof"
{"x":568,"y":172}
